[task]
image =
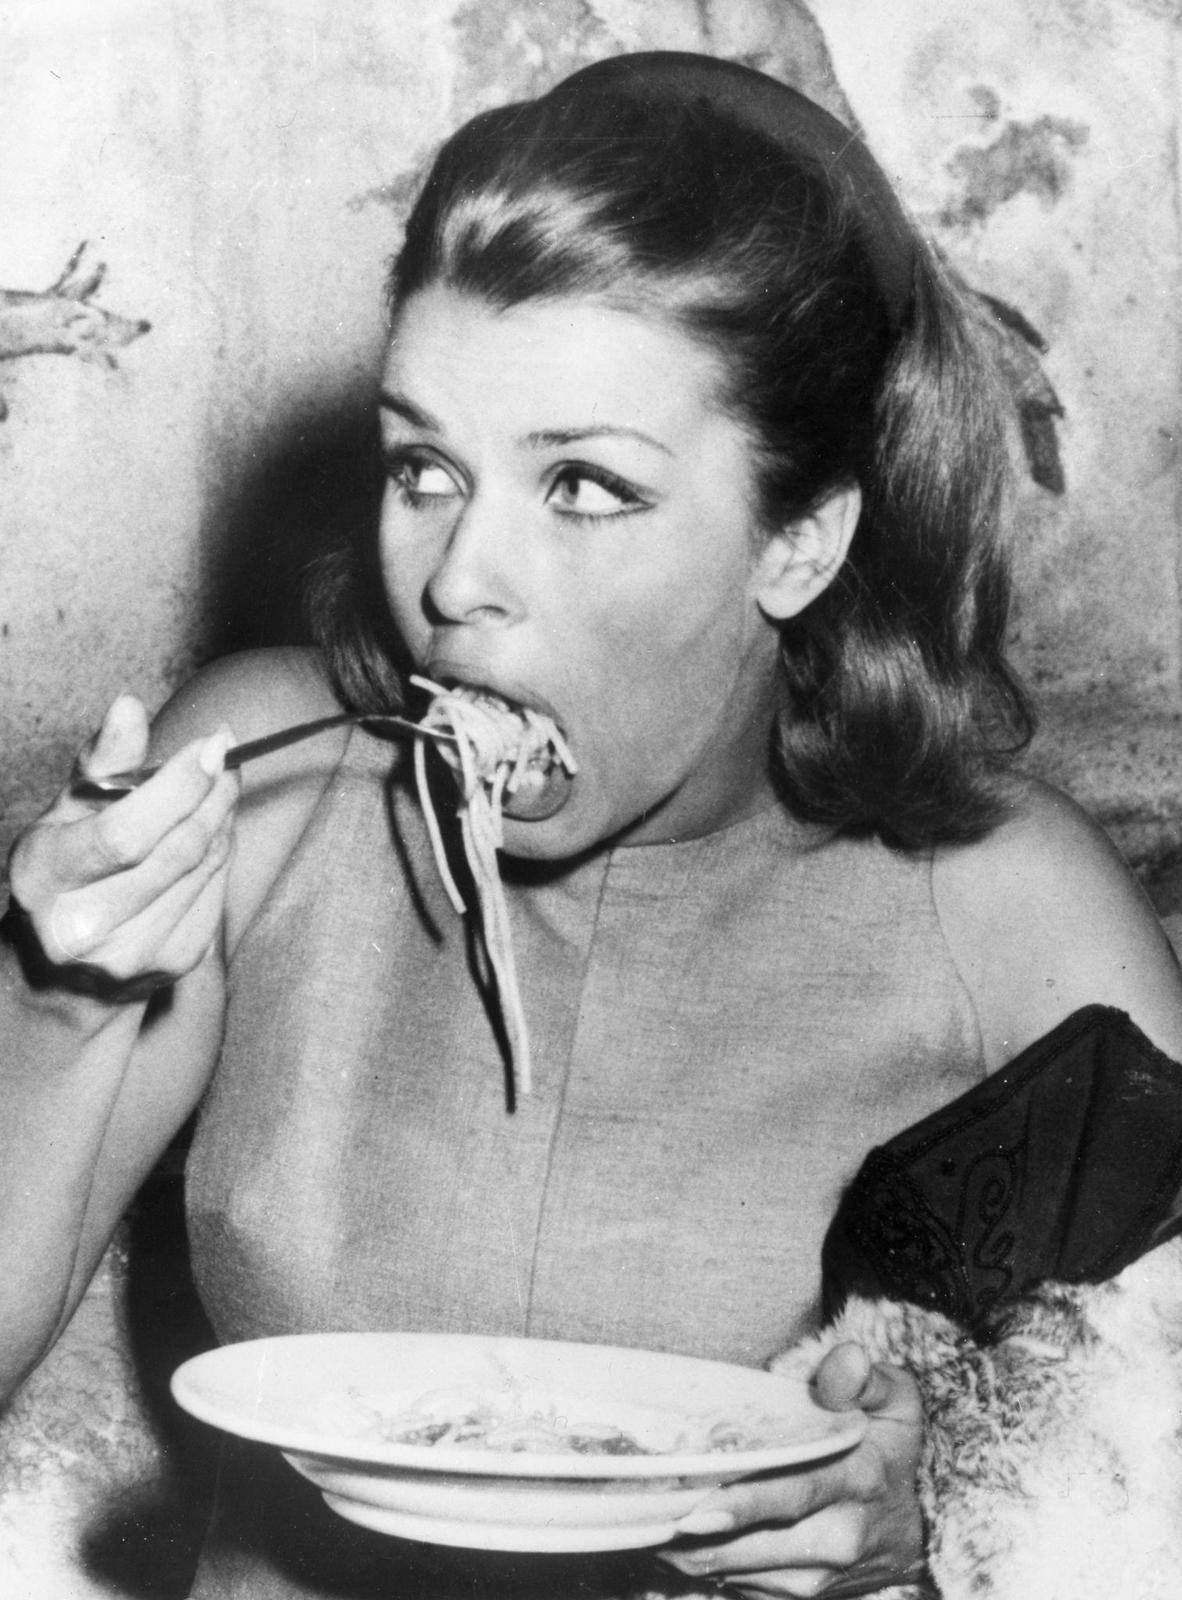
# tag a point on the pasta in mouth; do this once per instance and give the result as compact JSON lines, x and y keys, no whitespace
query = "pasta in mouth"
{"x":502,"y":752}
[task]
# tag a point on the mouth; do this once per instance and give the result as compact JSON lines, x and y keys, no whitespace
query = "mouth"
{"x":511,"y":745}
{"x":540,"y":795}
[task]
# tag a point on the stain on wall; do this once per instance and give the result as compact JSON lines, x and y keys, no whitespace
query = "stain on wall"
{"x":1026,"y":158}
{"x":64,"y":320}
{"x":507,"y":51}
{"x":785,"y":38}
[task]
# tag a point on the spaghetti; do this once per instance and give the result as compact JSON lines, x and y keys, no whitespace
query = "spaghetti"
{"x":500,"y":750}
{"x":536,"y":1422}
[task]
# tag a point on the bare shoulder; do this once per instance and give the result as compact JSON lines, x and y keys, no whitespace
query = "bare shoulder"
{"x":1044,"y":917}
{"x":253,"y":694}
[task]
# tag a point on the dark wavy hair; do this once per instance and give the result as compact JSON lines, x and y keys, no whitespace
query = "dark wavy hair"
{"x":899,"y":706}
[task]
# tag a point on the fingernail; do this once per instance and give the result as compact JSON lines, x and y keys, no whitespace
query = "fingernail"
{"x":703,"y":1522}
{"x":115,"y":708}
{"x":212,"y":755}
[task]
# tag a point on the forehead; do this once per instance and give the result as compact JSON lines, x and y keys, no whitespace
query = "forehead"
{"x":550,"y":364}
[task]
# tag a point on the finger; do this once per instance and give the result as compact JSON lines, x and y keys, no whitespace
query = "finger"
{"x":117,"y":923}
{"x":848,"y":1380}
{"x":843,"y":1376}
{"x":798,"y":1583}
{"x":815,"y":1583}
{"x":785,"y":1585}
{"x":69,"y":920}
{"x":124,"y":833}
{"x":792,"y":1583}
{"x":134,"y":977}
{"x":82,"y":918}
{"x":197,"y":931}
{"x":781,"y":1497}
{"x":882,"y":1391}
{"x":121,"y":743}
{"x":833,"y":1539}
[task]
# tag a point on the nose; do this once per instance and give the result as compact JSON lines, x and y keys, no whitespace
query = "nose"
{"x":474,"y":578}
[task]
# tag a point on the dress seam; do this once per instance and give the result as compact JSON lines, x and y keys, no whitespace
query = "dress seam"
{"x":955,"y":965}
{"x":560,"y":1105}
{"x":297,"y":845}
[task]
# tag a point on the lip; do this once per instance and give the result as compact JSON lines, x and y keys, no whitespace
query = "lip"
{"x":529,"y":804}
{"x":452,"y":675}
{"x":539,"y":803}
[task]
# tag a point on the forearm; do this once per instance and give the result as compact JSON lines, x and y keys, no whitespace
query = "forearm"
{"x":62,"y":1066}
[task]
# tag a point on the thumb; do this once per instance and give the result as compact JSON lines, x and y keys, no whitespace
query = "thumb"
{"x":121,"y":742}
{"x":848,"y":1380}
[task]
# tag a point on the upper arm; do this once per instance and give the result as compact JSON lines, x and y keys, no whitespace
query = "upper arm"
{"x":177,"y":1049}
{"x":253,"y":692}
{"x":93,"y":1097}
{"x":256,"y":693}
{"x":1043,"y":917}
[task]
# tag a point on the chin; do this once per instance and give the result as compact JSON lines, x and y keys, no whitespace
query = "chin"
{"x":555,"y":839}
{"x":580,"y":829}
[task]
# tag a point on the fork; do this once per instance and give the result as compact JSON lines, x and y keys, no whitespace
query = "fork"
{"x":114,"y":784}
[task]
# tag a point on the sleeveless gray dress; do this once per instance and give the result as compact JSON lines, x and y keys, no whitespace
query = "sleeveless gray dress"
{"x":722,"y":1027}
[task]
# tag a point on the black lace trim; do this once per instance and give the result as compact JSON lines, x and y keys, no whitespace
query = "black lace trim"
{"x":1064,"y":1165}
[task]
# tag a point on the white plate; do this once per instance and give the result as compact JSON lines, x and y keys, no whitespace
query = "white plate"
{"x":315,"y":1395}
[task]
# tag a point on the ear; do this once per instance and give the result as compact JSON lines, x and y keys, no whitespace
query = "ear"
{"x":801,"y":560}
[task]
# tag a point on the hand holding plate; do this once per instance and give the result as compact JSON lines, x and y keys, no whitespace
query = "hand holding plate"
{"x":844,"y":1527}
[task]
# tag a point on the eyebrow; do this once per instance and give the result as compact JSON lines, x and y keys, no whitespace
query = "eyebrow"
{"x":403,"y":408}
{"x":543,"y":439}
{"x":561,"y":436}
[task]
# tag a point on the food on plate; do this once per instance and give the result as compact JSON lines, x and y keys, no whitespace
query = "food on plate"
{"x":468,"y":1419}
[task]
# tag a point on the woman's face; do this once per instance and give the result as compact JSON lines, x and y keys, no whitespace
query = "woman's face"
{"x":567,"y":521}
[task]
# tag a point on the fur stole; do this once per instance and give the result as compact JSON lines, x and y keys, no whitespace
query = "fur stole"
{"x":1052,"y":1466}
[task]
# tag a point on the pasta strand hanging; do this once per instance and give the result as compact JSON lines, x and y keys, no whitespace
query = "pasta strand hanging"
{"x":499,"y":748}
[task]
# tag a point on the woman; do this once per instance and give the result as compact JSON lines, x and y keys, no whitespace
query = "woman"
{"x":688,"y":450}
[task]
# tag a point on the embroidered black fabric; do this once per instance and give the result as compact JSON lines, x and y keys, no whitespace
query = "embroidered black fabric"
{"x":1064,"y":1165}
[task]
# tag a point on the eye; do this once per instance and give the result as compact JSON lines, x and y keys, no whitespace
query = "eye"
{"x":420,"y":478}
{"x":592,"y":492}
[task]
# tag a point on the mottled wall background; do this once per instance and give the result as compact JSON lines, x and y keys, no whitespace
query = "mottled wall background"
{"x":241,"y":167}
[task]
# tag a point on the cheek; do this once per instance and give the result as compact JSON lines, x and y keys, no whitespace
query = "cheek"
{"x":688,"y":631}
{"x":659,"y":674}
{"x":406,"y":568}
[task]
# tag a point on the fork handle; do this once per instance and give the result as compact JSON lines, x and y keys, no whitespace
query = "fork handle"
{"x":116,"y":784}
